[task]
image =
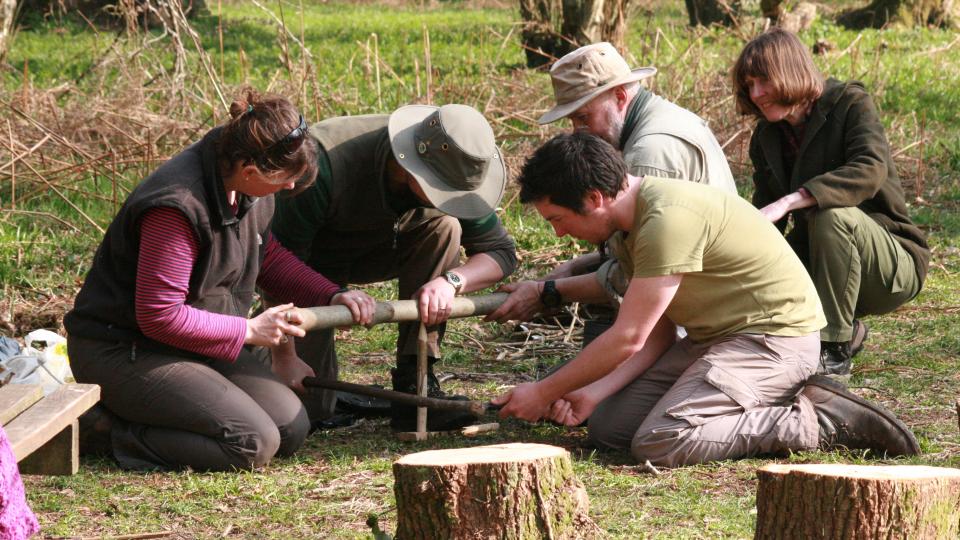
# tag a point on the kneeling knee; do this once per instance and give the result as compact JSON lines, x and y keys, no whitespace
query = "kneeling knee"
{"x":828,"y":222}
{"x":255,"y":449}
{"x":668,"y":448}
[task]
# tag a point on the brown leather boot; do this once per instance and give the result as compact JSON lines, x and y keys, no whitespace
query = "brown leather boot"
{"x":849,"y":421}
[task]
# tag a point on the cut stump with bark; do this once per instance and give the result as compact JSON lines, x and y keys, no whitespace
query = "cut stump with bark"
{"x":857,"y":502}
{"x":512,"y":490}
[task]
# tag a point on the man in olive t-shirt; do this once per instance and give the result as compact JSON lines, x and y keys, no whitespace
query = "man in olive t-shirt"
{"x":741,"y":383}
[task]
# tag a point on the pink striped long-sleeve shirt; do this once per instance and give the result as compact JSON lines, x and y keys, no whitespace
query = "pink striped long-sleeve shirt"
{"x":168,"y":250}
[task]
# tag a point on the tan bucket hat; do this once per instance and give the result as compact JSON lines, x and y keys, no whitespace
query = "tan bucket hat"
{"x":585,"y":73}
{"x":452,"y":153}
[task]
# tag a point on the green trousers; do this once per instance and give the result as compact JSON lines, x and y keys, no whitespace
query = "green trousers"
{"x":857,"y":267}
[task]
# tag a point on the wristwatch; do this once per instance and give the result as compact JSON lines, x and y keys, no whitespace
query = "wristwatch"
{"x":550,"y":296}
{"x":454,"y":279}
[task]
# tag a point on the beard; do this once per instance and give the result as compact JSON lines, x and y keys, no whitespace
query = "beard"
{"x":614,"y":126}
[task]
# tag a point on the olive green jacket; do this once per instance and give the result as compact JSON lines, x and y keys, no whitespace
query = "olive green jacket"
{"x":844,"y":160}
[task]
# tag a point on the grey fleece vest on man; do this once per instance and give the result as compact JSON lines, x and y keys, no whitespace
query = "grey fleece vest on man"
{"x":231,"y":248}
{"x":661,"y":117}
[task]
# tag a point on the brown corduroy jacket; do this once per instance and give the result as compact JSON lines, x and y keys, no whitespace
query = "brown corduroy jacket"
{"x":844,"y":160}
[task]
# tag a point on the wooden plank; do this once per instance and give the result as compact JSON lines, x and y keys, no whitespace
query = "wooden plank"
{"x":60,"y":455}
{"x":40,"y":423}
{"x":16,"y":398}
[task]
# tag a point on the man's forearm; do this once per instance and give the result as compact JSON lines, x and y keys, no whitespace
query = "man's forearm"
{"x":662,"y":338}
{"x":479,"y":272}
{"x":582,"y":288}
{"x":582,"y":264}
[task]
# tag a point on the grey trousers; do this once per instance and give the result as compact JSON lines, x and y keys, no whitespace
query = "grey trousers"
{"x":731,"y":398}
{"x":427,"y":245}
{"x":176,"y":412}
{"x":857,"y":267}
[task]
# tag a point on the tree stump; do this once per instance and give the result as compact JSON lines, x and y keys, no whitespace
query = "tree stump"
{"x":499,"y":491}
{"x":857,"y":502}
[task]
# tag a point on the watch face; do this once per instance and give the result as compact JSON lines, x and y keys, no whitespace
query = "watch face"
{"x":454,"y":280}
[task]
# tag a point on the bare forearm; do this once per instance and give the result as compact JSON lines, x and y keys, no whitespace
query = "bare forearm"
{"x":583,"y":288}
{"x":660,"y":340}
{"x":479,"y":272}
{"x":576,"y":266}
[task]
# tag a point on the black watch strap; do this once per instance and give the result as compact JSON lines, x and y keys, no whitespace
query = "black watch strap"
{"x":550,"y":296}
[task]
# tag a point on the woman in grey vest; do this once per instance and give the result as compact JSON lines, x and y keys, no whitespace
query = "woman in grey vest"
{"x":161,"y":321}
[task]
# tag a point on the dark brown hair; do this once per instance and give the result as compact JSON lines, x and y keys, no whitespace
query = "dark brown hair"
{"x":569,"y":166}
{"x":779,"y":57}
{"x":258,"y":125}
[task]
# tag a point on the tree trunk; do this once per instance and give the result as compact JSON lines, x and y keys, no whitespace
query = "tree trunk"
{"x":857,"y":502}
{"x":552,"y":28}
{"x":508,"y":491}
{"x":909,"y":13}
{"x":8,"y":11}
{"x":707,"y":12}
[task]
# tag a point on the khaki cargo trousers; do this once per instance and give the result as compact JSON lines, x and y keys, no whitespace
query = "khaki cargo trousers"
{"x":730,"y":398}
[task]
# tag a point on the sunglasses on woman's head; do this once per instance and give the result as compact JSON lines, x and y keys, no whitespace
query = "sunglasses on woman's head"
{"x":289,"y":144}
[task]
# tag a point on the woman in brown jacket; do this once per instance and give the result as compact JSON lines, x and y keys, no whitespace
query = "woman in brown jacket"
{"x":821,"y":158}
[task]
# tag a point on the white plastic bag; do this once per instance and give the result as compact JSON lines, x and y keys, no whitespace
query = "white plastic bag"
{"x":43,"y":361}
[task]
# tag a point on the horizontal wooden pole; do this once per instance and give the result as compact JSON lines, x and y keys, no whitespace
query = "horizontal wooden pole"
{"x":316,"y":318}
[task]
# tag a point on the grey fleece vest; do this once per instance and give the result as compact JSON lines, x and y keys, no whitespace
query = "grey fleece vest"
{"x":660,"y":116}
{"x":231,"y":248}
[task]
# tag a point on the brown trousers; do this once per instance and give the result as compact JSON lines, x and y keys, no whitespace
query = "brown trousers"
{"x":176,"y":412}
{"x":730,"y":398}
{"x":426,"y":245}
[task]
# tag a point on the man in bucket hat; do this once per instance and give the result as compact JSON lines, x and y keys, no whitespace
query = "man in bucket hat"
{"x":397,"y":196}
{"x":596,"y":89}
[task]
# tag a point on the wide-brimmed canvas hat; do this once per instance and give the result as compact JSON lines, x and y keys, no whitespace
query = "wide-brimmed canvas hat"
{"x":585,"y":73}
{"x":452,"y":153}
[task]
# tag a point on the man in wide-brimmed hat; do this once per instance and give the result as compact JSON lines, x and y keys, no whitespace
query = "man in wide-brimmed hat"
{"x":397,"y":196}
{"x":596,"y":89}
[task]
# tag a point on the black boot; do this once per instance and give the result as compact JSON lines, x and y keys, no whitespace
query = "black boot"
{"x":836,"y":357}
{"x":849,"y":421}
{"x":95,"y":427}
{"x":404,"y":417}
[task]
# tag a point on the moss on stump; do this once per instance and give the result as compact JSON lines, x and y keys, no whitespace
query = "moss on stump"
{"x":857,"y":502}
{"x":514,"y":491}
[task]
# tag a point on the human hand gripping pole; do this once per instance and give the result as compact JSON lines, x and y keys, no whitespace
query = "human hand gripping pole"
{"x":318,"y":318}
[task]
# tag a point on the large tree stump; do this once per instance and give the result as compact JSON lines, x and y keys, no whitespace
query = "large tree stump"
{"x":858,"y":502}
{"x":500,"y":491}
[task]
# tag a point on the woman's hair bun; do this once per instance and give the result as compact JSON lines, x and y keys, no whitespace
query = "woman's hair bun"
{"x":244,"y":104}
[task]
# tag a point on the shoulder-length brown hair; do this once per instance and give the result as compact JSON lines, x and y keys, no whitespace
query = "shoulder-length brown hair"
{"x":259,"y":132}
{"x":779,"y":57}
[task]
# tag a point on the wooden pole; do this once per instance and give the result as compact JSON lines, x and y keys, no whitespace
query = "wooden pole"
{"x":839,"y":501}
{"x":421,"y":434}
{"x":316,"y":318}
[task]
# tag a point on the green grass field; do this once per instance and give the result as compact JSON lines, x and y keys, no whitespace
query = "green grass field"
{"x":143,"y":99}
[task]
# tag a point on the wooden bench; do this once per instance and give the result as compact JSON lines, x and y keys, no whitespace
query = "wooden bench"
{"x":44,"y":431}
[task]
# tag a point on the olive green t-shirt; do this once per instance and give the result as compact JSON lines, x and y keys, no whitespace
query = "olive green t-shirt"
{"x":740,"y":275}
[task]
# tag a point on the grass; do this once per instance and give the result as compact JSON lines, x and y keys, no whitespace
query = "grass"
{"x":72,"y":77}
